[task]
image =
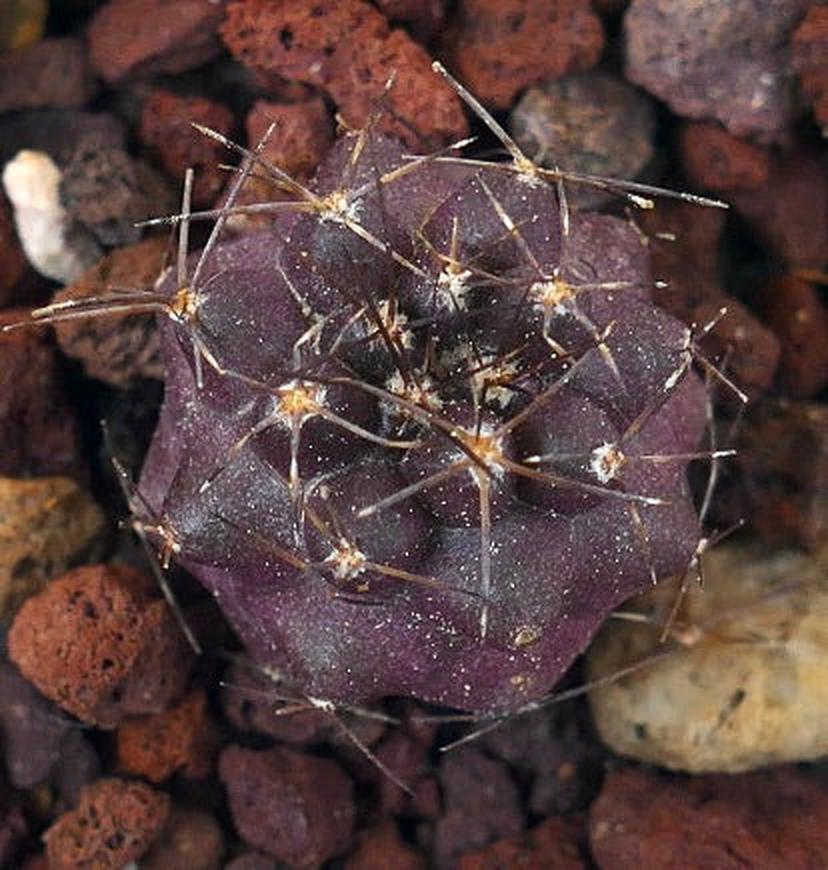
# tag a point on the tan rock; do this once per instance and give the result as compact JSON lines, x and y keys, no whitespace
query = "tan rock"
{"x":47,"y":524}
{"x":742,"y":680}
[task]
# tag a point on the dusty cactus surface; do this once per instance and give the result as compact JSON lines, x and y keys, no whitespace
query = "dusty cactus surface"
{"x":422,"y":436}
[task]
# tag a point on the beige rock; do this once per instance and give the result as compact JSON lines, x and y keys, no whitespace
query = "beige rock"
{"x":47,"y":524}
{"x":741,"y":682}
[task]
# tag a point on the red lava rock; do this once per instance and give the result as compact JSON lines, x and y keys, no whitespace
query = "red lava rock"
{"x":810,"y":60}
{"x":348,"y":49}
{"x":52,"y":72}
{"x":38,"y":430}
{"x":191,"y":839}
{"x":293,"y":806}
{"x":381,"y":847}
{"x":750,"y":350}
{"x":424,"y":19}
{"x":782,"y":455}
{"x":250,"y":703}
{"x":499,"y":47}
{"x":184,"y":738}
{"x":776,"y":820}
{"x":555,"y":844}
{"x":795,"y":312}
{"x":790,"y":213}
{"x":303,"y":133}
{"x":481,"y":805}
{"x":97,"y":643}
{"x":11,"y":255}
{"x":577,"y":123}
{"x":114,"y":823}
{"x":714,"y":159}
{"x":147,"y":37}
{"x":166,"y":127}
{"x":108,"y":191}
{"x":709,"y":59}
{"x":116,"y":350}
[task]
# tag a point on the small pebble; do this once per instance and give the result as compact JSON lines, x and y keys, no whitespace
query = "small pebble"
{"x":794,"y":310}
{"x":183,"y":738}
{"x":117,"y":349}
{"x":107,"y":191}
{"x":713,"y":159}
{"x":481,"y":805}
{"x":192,"y":839}
{"x":775,"y":821}
{"x":22,"y":22}
{"x":810,"y":60}
{"x":296,"y":807}
{"x":53,"y":244}
{"x":554,"y":844}
{"x":56,"y":72}
{"x":578,"y":122}
{"x":115,"y":822}
{"x":381,"y":847}
{"x":499,"y":47}
{"x":782,"y":457}
{"x":789,"y":215}
{"x":142,"y":38}
{"x":101,"y":646}
{"x":743,"y":683}
{"x":709,"y":59}
{"x":166,"y":128}
{"x":46,"y":525}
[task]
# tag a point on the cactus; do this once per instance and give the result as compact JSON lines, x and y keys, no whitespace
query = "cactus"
{"x":421,"y":436}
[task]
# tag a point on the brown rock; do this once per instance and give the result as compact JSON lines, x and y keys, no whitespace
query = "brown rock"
{"x":38,"y":430}
{"x":108,"y":191}
{"x":301,"y":138}
{"x":381,"y":847}
{"x":795,"y":312}
{"x":783,"y":460}
{"x":481,"y":804}
{"x":46,"y":526}
{"x":191,"y":839}
{"x":293,"y":806}
{"x":749,"y":351}
{"x":52,"y":72}
{"x":715,"y":160}
{"x":183,"y":738}
{"x":776,"y":820}
{"x":348,"y":49}
{"x":166,"y":128}
{"x":114,"y":823}
{"x":97,"y":643}
{"x":120,"y":348}
{"x":408,"y":759}
{"x":708,"y":59}
{"x":147,"y":37}
{"x":578,"y":123}
{"x":499,"y":48}
{"x":810,"y":60}
{"x":22,"y":22}
{"x":555,"y":844}
{"x":790,"y":213}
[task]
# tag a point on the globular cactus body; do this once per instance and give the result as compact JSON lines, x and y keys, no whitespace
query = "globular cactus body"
{"x":422,"y":436}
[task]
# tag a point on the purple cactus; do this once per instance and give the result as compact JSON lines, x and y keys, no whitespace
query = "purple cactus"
{"x":422,"y":436}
